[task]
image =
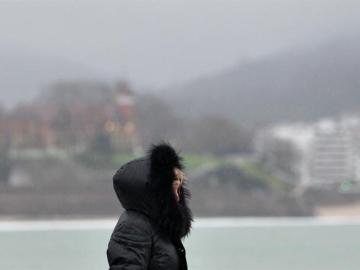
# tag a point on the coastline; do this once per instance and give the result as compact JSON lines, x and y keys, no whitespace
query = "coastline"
{"x":108,"y":223}
{"x":335,"y":215}
{"x":349,"y":210}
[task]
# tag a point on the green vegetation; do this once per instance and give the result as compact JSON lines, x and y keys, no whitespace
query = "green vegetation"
{"x":104,"y":160}
{"x":257,"y":171}
{"x":252,"y":171}
{"x":121,"y":158}
{"x":108,"y":159}
{"x":195,"y":161}
{"x":191,"y":161}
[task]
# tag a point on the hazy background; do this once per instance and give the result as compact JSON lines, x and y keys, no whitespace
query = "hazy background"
{"x":259,"y":96}
{"x":156,"y":44}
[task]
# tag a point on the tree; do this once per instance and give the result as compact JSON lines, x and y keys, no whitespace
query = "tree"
{"x":280,"y":155}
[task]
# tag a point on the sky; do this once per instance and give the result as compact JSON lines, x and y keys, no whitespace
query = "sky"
{"x":154,"y":43}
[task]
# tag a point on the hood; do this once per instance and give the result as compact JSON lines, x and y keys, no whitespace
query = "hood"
{"x":145,"y":185}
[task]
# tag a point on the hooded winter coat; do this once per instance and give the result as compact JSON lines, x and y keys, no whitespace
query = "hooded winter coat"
{"x":148,"y":233}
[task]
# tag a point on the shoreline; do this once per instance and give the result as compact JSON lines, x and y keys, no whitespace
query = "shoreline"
{"x":200,"y":222}
{"x":335,"y":215}
{"x":350,"y":210}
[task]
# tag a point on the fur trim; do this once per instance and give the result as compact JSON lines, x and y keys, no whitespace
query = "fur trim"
{"x":175,"y":217}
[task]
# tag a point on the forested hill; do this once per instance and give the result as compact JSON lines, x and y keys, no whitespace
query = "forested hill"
{"x":298,"y":85}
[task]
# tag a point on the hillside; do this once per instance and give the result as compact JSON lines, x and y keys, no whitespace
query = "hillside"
{"x":297,"y":85}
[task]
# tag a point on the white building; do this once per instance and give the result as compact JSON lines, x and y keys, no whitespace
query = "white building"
{"x":329,"y":149}
{"x":332,"y":156}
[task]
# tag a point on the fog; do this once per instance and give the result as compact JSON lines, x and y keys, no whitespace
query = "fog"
{"x":154,"y":44}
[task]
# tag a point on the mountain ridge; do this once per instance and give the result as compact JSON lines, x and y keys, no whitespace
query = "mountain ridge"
{"x":301,"y":85}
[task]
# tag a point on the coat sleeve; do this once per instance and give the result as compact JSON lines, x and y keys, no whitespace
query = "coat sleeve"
{"x":130,"y":246}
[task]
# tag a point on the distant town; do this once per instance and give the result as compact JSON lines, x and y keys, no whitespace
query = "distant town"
{"x":59,"y":152}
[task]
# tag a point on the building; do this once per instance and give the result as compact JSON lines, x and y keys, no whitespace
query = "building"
{"x":74,"y":119}
{"x":328,"y":150}
{"x":332,"y":157}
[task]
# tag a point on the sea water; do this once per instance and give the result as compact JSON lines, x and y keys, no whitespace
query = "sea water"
{"x":214,"y":244}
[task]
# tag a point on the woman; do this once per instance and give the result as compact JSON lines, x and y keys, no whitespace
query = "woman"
{"x":156,"y":218}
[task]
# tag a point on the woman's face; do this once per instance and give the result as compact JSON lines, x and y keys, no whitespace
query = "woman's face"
{"x":178,"y":181}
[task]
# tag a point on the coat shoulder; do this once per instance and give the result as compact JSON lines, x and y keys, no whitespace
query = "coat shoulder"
{"x":133,"y":223}
{"x":130,"y":243}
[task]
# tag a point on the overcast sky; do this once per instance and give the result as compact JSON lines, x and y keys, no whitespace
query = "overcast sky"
{"x":158,"y":43}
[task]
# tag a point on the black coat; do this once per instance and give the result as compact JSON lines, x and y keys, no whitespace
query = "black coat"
{"x":148,"y":233}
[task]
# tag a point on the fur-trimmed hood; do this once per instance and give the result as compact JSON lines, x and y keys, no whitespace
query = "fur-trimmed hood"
{"x":145,"y":185}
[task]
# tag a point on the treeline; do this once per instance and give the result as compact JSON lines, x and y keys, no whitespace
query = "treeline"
{"x":210,"y":134}
{"x":85,"y":115}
